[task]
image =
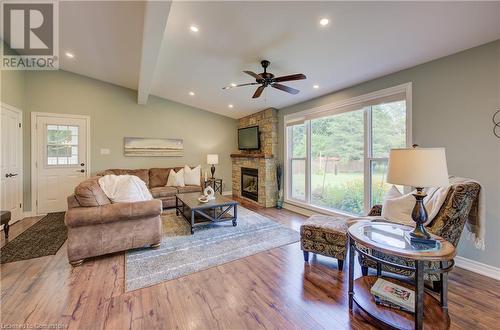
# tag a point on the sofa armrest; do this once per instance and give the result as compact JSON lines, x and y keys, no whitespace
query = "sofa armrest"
{"x":376,"y":210}
{"x":85,"y":216}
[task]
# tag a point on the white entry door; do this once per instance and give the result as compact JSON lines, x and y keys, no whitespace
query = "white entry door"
{"x":11,"y":162}
{"x":61,"y":159}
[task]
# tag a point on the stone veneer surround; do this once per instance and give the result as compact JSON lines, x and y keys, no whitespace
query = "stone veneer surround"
{"x":264,"y":159}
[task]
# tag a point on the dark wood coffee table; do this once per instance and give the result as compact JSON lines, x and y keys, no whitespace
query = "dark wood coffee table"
{"x":197,"y":213}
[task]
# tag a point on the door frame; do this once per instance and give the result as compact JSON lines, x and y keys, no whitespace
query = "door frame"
{"x":20,"y":155}
{"x":34,"y":144}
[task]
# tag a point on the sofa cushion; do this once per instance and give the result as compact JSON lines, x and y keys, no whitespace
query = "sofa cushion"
{"x":89,"y":193}
{"x":188,"y":189}
{"x":143,"y":174}
{"x":158,"y":192}
{"x":158,"y":177}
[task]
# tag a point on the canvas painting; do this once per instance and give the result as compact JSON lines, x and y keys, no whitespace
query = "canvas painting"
{"x":153,"y":147}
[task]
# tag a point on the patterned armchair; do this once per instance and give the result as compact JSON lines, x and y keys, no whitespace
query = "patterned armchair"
{"x":448,"y":223}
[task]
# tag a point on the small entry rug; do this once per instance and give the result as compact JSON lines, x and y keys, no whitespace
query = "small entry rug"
{"x":44,"y":238}
{"x":211,"y":245}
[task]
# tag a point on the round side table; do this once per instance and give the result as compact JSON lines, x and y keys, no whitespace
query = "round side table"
{"x":389,"y":239}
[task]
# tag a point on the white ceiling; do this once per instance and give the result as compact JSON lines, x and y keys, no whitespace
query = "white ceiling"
{"x":364,"y":40}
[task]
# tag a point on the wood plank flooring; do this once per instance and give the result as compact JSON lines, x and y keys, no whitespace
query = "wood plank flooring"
{"x":270,"y":290}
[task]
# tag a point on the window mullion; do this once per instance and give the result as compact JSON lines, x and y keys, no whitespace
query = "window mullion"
{"x":308,"y":176}
{"x":367,"y":160}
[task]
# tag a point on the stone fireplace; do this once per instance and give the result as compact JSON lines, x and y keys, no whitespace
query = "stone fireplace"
{"x":257,"y":168}
{"x":250,"y":183}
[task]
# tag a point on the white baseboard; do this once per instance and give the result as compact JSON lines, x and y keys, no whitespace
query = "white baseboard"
{"x":478,"y":267}
{"x":227,"y":193}
{"x":298,"y":209}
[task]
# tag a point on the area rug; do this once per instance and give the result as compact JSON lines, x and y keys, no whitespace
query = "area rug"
{"x":44,"y":238}
{"x":211,"y":245}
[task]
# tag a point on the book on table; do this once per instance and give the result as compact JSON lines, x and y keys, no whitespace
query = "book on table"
{"x":395,"y":294}
{"x":385,"y":303}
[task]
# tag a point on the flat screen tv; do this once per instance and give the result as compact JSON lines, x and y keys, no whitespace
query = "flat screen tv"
{"x":248,"y":138}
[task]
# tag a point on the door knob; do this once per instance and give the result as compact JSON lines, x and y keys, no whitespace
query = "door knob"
{"x":8,"y":175}
{"x":82,"y":164}
{"x":82,"y":170}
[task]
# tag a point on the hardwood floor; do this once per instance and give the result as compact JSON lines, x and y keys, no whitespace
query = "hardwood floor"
{"x":272,"y":289}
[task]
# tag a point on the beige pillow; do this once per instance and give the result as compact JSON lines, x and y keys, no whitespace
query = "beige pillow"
{"x":398,"y":207}
{"x":192,"y":176}
{"x":175,"y":179}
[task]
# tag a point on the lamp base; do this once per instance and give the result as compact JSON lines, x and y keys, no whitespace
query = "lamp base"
{"x":212,"y":170}
{"x":419,"y":215}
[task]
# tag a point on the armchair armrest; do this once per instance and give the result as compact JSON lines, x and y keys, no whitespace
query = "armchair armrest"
{"x":84,"y":216}
{"x":376,"y":210}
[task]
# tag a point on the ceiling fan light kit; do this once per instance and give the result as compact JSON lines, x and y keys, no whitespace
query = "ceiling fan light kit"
{"x":266,"y":79}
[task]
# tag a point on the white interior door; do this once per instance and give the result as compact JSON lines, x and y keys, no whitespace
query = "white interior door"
{"x":11,"y":162}
{"x":61,"y":159}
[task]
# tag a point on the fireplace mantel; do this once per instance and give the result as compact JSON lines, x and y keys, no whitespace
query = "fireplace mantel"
{"x":256,"y":155}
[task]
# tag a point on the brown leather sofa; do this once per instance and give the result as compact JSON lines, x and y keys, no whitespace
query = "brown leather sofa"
{"x":156,"y":179}
{"x":97,"y":227}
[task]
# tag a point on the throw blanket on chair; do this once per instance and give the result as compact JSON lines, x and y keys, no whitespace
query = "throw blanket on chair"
{"x":398,"y":207}
{"x":124,"y":188}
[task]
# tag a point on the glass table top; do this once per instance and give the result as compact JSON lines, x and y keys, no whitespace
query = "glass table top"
{"x":394,"y":236}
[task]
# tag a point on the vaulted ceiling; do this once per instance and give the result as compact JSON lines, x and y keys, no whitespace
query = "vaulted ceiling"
{"x":150,"y":47}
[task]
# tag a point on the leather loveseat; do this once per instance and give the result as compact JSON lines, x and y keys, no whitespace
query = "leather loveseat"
{"x":97,"y":227}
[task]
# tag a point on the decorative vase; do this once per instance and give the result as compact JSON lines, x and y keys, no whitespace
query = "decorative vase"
{"x":279,"y":199}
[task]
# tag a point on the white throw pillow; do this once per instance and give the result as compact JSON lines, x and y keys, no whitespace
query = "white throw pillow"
{"x":398,"y":207}
{"x":124,"y":188}
{"x":192,"y":176}
{"x":176,"y":179}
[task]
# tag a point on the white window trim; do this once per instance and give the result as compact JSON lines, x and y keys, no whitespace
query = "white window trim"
{"x":336,"y":108}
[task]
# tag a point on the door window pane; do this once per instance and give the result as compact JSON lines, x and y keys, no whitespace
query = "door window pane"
{"x":337,"y":158}
{"x":62,"y":145}
{"x":388,"y":128}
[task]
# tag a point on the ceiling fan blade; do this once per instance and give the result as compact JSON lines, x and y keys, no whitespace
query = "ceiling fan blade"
{"x":298,"y":76}
{"x":253,"y":74}
{"x":286,"y":88}
{"x":258,"y":92}
{"x":230,"y":86}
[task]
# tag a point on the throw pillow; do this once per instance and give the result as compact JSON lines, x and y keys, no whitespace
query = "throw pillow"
{"x":192,"y":176}
{"x":398,"y":207}
{"x":175,"y":179}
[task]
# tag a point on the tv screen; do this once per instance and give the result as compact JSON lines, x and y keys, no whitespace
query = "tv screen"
{"x":248,"y":138}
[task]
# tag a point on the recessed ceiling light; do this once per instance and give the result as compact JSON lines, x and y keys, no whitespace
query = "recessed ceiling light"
{"x":315,"y":86}
{"x":194,"y":28}
{"x":191,"y":93}
{"x":233,"y":85}
{"x":230,"y":106}
{"x":324,"y":21}
{"x":70,"y":55}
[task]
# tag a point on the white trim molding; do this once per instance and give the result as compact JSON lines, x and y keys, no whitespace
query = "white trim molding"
{"x":478,"y":267}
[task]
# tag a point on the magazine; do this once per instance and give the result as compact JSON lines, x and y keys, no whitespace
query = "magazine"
{"x":382,"y":302}
{"x":396,"y":294}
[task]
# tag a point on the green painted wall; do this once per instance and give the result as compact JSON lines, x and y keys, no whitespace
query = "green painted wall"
{"x":115,"y":114}
{"x":454,"y":99}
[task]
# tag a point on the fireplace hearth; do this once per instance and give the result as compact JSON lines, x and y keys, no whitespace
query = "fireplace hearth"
{"x":250,"y":183}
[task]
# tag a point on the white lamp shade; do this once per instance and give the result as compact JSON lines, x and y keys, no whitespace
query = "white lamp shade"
{"x":212,"y":159}
{"x":418,"y":167}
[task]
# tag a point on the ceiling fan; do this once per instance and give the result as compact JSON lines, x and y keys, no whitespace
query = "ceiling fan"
{"x":266,"y":79}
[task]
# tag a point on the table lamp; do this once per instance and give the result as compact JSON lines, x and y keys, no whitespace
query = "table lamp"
{"x":419,"y":168}
{"x":212,"y":159}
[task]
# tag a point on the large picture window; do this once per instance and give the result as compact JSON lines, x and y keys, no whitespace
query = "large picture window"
{"x":336,"y":159}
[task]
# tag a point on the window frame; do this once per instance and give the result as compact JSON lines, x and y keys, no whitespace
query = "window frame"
{"x":351,"y":104}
